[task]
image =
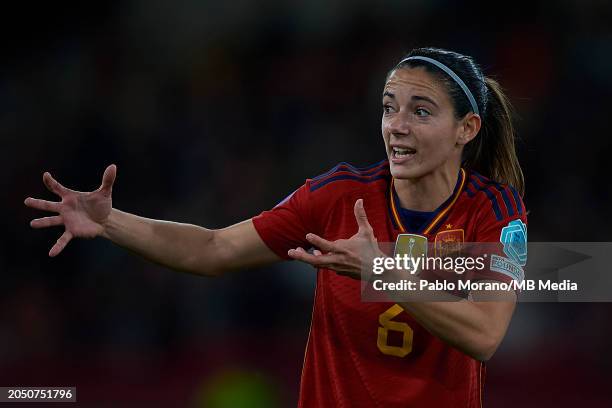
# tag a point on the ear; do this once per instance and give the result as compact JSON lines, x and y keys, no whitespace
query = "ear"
{"x":468,"y":128}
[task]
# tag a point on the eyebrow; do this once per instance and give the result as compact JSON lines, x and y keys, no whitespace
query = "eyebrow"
{"x":424,"y":98}
{"x":414,"y":98}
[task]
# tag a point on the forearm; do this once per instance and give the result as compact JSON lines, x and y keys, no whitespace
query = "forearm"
{"x":465,"y":325}
{"x":174,"y":245}
{"x":474,"y":327}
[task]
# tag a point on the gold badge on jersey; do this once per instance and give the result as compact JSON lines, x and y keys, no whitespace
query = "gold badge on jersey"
{"x":448,"y":243}
{"x":412,"y":245}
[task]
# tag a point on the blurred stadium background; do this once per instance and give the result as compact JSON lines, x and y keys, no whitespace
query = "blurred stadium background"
{"x":215,"y":111}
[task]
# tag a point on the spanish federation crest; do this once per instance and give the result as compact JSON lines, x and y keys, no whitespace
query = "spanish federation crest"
{"x":448,"y":243}
{"x":514,"y":238}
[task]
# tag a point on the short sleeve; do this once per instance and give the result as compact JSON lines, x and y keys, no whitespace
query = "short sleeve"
{"x":285,"y":226}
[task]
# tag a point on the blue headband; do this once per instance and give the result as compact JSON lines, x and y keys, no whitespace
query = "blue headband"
{"x":450,"y":73}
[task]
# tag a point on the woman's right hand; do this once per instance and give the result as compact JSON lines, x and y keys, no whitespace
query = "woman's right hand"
{"x":83,"y":214}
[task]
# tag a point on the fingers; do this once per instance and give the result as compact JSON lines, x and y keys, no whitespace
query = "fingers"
{"x":60,"y":244}
{"x":361,"y":217}
{"x":108,"y":179}
{"x":42,"y":204}
{"x":53,"y":185}
{"x":321,"y":243}
{"x":47,"y":222}
{"x":318,"y":261}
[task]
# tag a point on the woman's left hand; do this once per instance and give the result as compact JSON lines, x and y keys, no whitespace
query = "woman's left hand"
{"x":347,"y":257}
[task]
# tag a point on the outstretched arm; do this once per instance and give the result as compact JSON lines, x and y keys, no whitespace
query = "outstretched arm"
{"x":187,"y":247}
{"x":183,"y":247}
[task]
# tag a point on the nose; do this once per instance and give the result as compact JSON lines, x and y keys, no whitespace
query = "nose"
{"x":397,"y":125}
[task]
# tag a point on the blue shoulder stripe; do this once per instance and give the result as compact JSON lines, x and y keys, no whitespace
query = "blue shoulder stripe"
{"x":362,"y":179}
{"x":349,"y":167}
{"x":490,"y":195}
{"x":365,"y":172}
{"x":517,"y":200}
{"x":509,"y":207}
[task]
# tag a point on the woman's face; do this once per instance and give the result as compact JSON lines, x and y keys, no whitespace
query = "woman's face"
{"x":419,"y":127}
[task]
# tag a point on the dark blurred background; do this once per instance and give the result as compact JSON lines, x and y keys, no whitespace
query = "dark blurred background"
{"x":215,"y":111}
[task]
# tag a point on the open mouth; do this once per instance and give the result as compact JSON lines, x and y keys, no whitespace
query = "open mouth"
{"x":402,"y":152}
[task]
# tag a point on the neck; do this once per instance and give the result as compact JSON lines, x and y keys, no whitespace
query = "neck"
{"x":428,"y":192}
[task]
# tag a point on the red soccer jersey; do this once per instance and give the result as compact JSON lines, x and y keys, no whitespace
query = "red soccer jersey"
{"x":347,"y":363}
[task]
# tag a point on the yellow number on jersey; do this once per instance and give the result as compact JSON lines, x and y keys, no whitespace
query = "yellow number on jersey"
{"x":387,"y":324}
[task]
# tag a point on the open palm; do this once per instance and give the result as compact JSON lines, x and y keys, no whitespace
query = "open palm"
{"x":83,"y":214}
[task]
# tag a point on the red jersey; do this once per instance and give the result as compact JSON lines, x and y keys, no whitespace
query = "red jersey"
{"x":358,"y":353}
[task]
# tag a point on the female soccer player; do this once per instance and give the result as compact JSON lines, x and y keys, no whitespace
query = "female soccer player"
{"x":451,"y":175}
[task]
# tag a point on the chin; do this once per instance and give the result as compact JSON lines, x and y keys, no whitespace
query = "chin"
{"x":400,"y":172}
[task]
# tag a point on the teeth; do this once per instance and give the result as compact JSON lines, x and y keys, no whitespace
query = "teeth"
{"x":400,"y":152}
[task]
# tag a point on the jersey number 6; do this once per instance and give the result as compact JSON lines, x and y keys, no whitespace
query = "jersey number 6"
{"x":383,"y":333}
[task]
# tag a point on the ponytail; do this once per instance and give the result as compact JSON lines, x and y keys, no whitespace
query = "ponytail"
{"x":492,"y":152}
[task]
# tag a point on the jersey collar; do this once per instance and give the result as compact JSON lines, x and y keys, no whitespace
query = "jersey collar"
{"x":437,"y":215}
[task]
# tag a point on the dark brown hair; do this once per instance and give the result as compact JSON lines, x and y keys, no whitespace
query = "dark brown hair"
{"x":492,"y":152}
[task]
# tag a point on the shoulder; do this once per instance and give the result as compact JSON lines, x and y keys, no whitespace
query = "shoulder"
{"x":497,"y":200}
{"x":345,"y":177}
